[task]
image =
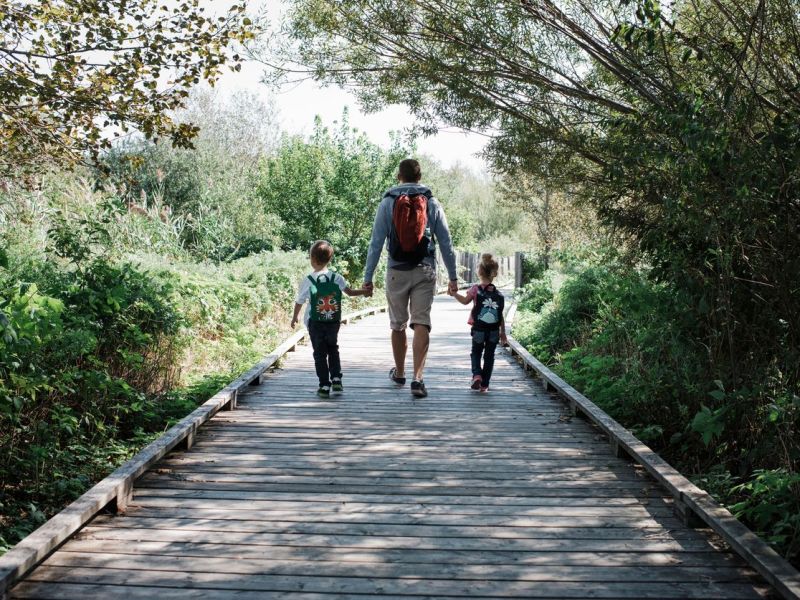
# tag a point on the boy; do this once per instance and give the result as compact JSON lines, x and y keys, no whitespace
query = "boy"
{"x":323,"y":290}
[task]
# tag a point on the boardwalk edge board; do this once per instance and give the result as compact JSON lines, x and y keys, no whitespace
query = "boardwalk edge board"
{"x":117,"y":487}
{"x":691,"y":501}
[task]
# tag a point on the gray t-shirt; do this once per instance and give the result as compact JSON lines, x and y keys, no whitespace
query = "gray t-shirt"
{"x":382,"y":229}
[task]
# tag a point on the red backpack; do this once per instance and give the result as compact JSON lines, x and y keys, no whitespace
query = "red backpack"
{"x":409,"y":242}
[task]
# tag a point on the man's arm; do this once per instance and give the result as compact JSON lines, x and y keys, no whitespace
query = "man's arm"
{"x":442,"y":233}
{"x":380,"y":231}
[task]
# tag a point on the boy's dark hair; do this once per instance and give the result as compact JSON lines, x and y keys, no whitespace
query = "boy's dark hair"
{"x":409,"y":171}
{"x":322,"y":252}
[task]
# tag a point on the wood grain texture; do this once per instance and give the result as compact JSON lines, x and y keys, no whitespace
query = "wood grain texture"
{"x":375,"y":494}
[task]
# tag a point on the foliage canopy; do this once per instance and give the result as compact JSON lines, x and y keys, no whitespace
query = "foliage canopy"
{"x":73,"y":70}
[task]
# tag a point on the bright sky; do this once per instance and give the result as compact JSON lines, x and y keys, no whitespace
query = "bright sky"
{"x":300,"y":103}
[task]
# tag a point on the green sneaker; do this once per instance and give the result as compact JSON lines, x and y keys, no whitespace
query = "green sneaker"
{"x":336,"y":385}
{"x":324,"y":391}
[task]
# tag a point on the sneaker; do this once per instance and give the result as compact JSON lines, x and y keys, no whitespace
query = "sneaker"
{"x":324,"y":391}
{"x":418,"y":389}
{"x":476,"y":382}
{"x":484,"y":389}
{"x":395,"y":378}
{"x":336,"y":385}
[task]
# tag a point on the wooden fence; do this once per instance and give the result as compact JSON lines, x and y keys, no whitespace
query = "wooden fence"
{"x":467,"y":266}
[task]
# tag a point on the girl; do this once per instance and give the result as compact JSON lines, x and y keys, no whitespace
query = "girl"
{"x":486,"y":319}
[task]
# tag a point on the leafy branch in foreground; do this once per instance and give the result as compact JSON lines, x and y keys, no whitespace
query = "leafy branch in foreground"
{"x":75,"y":73}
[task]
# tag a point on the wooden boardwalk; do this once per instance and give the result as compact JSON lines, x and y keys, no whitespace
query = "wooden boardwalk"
{"x":376,"y":495}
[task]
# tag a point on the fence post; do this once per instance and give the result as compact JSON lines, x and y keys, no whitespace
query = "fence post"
{"x":518,"y":257}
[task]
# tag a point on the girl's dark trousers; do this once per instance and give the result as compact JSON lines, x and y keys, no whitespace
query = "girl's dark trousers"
{"x":484,"y":343}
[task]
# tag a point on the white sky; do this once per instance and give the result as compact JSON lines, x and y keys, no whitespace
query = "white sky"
{"x":300,"y":103}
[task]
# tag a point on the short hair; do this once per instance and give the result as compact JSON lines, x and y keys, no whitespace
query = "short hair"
{"x":321,"y":251}
{"x":488,"y":267}
{"x":409,"y":170}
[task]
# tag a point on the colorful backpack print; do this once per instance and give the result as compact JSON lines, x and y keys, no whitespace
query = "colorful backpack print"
{"x":325,"y":298}
{"x":488,"y":310}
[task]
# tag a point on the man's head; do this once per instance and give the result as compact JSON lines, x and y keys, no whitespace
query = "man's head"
{"x":409,"y":171}
{"x":321,"y":253}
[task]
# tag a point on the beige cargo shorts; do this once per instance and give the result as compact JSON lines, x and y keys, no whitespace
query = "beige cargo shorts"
{"x":409,"y":295}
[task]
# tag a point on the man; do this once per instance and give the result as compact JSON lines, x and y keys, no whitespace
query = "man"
{"x":411,"y":276}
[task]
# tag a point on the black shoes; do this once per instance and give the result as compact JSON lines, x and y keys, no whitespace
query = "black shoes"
{"x":324,"y":392}
{"x":393,"y":377}
{"x":418,"y":389}
{"x":336,"y":385}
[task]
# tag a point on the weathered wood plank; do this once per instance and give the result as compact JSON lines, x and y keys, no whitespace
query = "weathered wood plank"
{"x":313,"y":554}
{"x":663,"y":573}
{"x":357,"y":540}
{"x":365,"y":585}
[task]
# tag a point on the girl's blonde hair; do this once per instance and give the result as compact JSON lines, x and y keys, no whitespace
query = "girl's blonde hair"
{"x":488,"y":267}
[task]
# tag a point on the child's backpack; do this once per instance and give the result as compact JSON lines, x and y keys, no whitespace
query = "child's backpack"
{"x":487,"y":313}
{"x":326,"y":298}
{"x":410,"y":239}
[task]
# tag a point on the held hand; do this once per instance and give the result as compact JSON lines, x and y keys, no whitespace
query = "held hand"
{"x":504,"y":339}
{"x":294,"y":322}
{"x":452,"y":287}
{"x":368,"y":288}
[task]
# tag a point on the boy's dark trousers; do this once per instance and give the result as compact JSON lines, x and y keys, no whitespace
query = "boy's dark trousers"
{"x":325,"y":341}
{"x":484,"y":343}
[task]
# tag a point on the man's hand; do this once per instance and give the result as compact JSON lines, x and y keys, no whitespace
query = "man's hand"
{"x":503,"y":338}
{"x":368,"y":288}
{"x":452,"y":287}
{"x":294,"y":322}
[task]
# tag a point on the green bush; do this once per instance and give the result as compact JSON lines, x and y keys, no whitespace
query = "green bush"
{"x":630,"y":345}
{"x":535,"y":294}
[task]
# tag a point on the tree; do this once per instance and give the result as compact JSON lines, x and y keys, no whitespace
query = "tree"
{"x":329,"y":187}
{"x":557,"y":221}
{"x":76,"y":73}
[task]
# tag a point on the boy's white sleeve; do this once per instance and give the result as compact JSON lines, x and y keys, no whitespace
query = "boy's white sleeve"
{"x":340,"y":281}
{"x":304,"y":291}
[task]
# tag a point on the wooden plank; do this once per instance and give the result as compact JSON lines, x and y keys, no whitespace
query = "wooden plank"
{"x":52,"y":591}
{"x":310,"y":555}
{"x":357,"y":540}
{"x":663,"y":573}
{"x":368,"y":584}
{"x":588,"y":518}
{"x":601,"y":530}
{"x":777,"y":571}
{"x":383,"y":502}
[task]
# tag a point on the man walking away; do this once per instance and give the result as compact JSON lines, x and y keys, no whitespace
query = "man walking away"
{"x":413,"y":222}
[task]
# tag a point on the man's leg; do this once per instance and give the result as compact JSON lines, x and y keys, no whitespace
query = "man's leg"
{"x":420,"y":303}
{"x":420,"y":349}
{"x":399,"y":350}
{"x":398,"y":288}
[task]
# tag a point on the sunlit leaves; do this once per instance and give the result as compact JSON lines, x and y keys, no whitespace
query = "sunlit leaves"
{"x":76,"y":73}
